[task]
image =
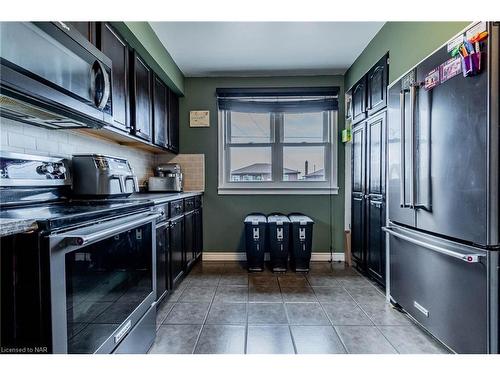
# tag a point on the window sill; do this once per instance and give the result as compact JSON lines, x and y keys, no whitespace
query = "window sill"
{"x":276,"y":191}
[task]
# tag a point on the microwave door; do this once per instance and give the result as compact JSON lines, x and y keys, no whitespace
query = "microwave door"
{"x":55,"y":70}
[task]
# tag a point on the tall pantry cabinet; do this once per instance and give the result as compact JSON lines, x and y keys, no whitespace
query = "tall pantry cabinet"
{"x":367,"y":113}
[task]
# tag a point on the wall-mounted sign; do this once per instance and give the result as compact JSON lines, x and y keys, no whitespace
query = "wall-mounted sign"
{"x":199,"y":119}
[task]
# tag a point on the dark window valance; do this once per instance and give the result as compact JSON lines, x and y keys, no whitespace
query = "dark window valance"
{"x":308,"y":99}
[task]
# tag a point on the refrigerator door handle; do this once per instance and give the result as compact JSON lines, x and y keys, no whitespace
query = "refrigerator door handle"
{"x":468,"y":258}
{"x":413,"y":96}
{"x":402,"y":154}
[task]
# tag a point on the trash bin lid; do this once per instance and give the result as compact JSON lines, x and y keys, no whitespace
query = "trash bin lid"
{"x":255,"y":219}
{"x":278,"y":219}
{"x":302,"y":219}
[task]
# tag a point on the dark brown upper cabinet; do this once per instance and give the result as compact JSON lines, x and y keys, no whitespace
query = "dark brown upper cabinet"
{"x":173,"y":121}
{"x":141,"y":98}
{"x":160,"y":113}
{"x":113,"y":46}
{"x":359,"y":101}
{"x":87,"y":29}
{"x":376,"y":83}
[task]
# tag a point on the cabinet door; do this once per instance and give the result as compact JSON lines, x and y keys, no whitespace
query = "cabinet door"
{"x":359,"y":101}
{"x":198,"y":232}
{"x":358,"y":194}
{"x":189,"y":239}
{"x":173,"y":121}
{"x":375,"y":180}
{"x":113,"y":46}
{"x":375,"y":240}
{"x":87,"y":29}
{"x":162,"y":256}
{"x":160,"y":113}
{"x":176,"y":251}
{"x":142,"y":98}
{"x":376,"y":83}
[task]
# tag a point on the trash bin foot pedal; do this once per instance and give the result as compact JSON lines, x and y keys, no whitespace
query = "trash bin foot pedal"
{"x":279,"y":270}
{"x":255,"y":269}
{"x":302,"y":270}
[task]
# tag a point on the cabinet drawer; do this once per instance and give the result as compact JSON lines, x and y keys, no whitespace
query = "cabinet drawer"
{"x":189,"y":204}
{"x":447,"y":295}
{"x":197,"y":201}
{"x":176,"y":207}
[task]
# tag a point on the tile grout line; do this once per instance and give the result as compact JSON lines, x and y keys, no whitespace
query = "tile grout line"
{"x":371,"y":320}
{"x":206,"y":317}
{"x":287,"y":318}
{"x":331,"y":323}
{"x":245,"y":349}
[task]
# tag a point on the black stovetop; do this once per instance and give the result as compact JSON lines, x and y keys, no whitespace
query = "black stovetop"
{"x":60,"y":214}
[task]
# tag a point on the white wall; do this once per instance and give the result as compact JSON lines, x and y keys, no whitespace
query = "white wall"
{"x":30,"y":139}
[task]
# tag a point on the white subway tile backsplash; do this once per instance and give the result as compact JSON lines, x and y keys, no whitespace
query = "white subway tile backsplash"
{"x":22,"y":141}
{"x":44,"y":144}
{"x":22,"y":138}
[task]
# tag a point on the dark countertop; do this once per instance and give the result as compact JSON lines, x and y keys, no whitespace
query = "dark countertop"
{"x":159,"y":198}
{"x":14,"y":226}
{"x":9,"y":226}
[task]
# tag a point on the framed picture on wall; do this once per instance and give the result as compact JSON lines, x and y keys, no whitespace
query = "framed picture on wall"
{"x":199,"y":119}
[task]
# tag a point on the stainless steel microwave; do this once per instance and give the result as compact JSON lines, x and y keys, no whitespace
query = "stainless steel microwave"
{"x":50,"y":75}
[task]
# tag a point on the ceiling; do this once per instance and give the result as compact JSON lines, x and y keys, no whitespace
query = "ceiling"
{"x":264,"y":48}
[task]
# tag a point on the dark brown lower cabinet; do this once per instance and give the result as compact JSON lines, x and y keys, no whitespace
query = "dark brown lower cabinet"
{"x":176,"y":251}
{"x":198,"y":233}
{"x":368,"y":196}
{"x":162,"y":259}
{"x":189,"y":236}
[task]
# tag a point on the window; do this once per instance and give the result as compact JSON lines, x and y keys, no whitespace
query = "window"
{"x":277,"y":144}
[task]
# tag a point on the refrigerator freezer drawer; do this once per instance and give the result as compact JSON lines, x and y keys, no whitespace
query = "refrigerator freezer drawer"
{"x":444,"y":286}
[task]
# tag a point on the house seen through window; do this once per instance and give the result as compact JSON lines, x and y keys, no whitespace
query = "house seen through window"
{"x":277,"y":142}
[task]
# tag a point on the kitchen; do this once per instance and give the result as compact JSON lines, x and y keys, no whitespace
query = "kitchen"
{"x":201,"y":188}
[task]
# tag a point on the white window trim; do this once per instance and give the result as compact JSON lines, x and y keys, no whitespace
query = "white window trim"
{"x":287,"y":188}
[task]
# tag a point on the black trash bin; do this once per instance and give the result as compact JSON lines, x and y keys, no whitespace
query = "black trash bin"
{"x":301,"y":241}
{"x":278,"y":232}
{"x":255,"y":241}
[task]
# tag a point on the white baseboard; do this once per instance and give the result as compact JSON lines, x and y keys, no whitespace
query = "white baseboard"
{"x":241,"y":256}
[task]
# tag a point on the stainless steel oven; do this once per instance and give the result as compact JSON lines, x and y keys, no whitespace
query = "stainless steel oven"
{"x":76,"y":276}
{"x":52,"y":76}
{"x":102,"y":282}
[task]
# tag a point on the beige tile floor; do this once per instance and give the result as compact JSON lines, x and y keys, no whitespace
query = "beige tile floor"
{"x":219,"y":308}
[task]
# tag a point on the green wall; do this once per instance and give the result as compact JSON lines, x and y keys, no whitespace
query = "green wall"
{"x":224,"y":214}
{"x":141,"y":36}
{"x":407,"y":43}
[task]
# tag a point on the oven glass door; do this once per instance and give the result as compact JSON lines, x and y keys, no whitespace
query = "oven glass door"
{"x":107,"y":281}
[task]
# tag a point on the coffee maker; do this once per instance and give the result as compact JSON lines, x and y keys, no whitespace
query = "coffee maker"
{"x":168,"y":177}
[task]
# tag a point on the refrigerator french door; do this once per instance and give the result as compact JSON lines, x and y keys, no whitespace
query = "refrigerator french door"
{"x":443,"y":145}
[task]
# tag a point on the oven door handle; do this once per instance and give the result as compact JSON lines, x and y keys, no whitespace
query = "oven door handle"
{"x":75,"y":238}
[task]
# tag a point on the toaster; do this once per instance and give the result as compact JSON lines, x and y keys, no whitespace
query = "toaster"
{"x":102,"y":176}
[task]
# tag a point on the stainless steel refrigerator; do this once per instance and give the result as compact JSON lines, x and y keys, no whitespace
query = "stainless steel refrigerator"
{"x":443,"y":195}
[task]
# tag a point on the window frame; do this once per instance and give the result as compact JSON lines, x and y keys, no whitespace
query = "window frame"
{"x":277,"y":185}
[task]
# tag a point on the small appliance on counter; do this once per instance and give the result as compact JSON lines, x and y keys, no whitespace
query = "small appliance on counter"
{"x":168,"y":177}
{"x":103,"y":176}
